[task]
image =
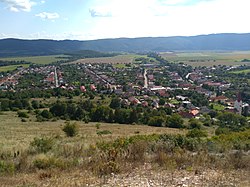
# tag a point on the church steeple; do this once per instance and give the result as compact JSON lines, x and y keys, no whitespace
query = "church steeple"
{"x":238,"y":104}
{"x":239,"y":97}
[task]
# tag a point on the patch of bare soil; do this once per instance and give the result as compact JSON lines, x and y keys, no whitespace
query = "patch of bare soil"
{"x":144,"y":176}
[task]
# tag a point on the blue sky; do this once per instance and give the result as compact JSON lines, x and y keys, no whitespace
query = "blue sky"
{"x":95,"y":19}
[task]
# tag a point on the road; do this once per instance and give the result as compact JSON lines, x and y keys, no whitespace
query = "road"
{"x":145,"y":79}
{"x":56,"y":79}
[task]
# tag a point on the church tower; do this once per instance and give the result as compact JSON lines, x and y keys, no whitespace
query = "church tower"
{"x":238,"y":104}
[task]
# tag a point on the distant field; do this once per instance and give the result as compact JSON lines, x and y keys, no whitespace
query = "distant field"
{"x":37,"y":59}
{"x":12,"y":67}
{"x":15,"y":134}
{"x":120,"y":59}
{"x":208,"y":58}
{"x":241,"y":71}
{"x":217,"y":107}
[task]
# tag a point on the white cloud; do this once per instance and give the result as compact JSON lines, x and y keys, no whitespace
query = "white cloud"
{"x":19,"y":5}
{"x":94,"y":12}
{"x":48,"y":15}
{"x":139,"y":18}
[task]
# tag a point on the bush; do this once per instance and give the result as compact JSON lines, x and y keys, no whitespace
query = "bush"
{"x":196,"y":133}
{"x":22,"y":114}
{"x":97,"y":125}
{"x":42,"y":145}
{"x":104,"y":132}
{"x":194,"y":124}
{"x":221,"y":130}
{"x":6,"y":167}
{"x":70,"y":129}
{"x":46,"y":114}
{"x":45,"y":162}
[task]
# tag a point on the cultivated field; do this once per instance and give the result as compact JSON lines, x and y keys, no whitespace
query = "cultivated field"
{"x":37,"y":59}
{"x":120,"y":59}
{"x":207,"y":58}
{"x":12,"y":67}
{"x":245,"y":71}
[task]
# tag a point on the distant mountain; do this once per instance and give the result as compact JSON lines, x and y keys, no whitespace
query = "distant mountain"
{"x":17,"y":47}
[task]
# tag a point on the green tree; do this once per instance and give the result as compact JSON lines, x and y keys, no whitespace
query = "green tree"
{"x":58,"y":109}
{"x":232,"y":121}
{"x":101,"y":113}
{"x":46,"y":114}
{"x":194,"y":124}
{"x":115,"y":103}
{"x":156,"y":121}
{"x":175,"y":121}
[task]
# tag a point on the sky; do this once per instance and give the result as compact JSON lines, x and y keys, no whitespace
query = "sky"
{"x":97,"y":19}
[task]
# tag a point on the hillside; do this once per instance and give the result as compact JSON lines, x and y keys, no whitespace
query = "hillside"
{"x":17,"y":47}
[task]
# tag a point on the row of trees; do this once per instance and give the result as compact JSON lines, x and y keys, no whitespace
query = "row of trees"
{"x":88,"y":111}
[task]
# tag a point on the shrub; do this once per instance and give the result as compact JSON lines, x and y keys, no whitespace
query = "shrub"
{"x":46,"y":114}
{"x":70,"y":129}
{"x":104,"y":132}
{"x":194,"y":124}
{"x":42,"y":145}
{"x":6,"y":167}
{"x":222,"y":130}
{"x":45,"y":162}
{"x":196,"y":133}
{"x":97,"y":125}
{"x":22,"y":114}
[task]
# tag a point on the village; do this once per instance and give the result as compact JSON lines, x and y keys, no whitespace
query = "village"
{"x":190,"y":93}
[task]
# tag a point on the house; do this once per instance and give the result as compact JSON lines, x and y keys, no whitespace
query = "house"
{"x":155,"y":104}
{"x":189,"y":114}
{"x":92,"y":87}
{"x":182,"y":98}
{"x":221,"y":99}
{"x":134,"y":100}
{"x":83,"y":89}
{"x":144,"y":103}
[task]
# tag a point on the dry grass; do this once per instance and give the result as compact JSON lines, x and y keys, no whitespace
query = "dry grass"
{"x":135,"y":161}
{"x":15,"y":134}
{"x":120,"y":59}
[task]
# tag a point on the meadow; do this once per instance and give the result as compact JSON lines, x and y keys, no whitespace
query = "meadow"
{"x":37,"y":59}
{"x":245,"y":71}
{"x":40,"y":154}
{"x":207,"y":58}
{"x":12,"y":67}
{"x":120,"y":59}
{"x":15,"y":134}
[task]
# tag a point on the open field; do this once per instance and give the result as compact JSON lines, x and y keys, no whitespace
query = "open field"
{"x":15,"y":134}
{"x":245,"y":71}
{"x":207,"y":58}
{"x":12,"y":67}
{"x":120,"y":59}
{"x":36,"y":59}
{"x":79,"y":161}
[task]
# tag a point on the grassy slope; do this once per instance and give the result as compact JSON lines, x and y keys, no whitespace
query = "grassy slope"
{"x":209,"y":58}
{"x":36,"y":59}
{"x":15,"y":134}
{"x":120,"y":59}
{"x":12,"y":67}
{"x":241,"y":71}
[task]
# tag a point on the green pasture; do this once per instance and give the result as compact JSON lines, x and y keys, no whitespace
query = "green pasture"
{"x":12,"y":67}
{"x":245,"y":71}
{"x":37,"y":59}
{"x":208,"y":58}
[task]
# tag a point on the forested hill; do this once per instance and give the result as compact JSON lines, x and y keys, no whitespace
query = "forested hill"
{"x":17,"y":47}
